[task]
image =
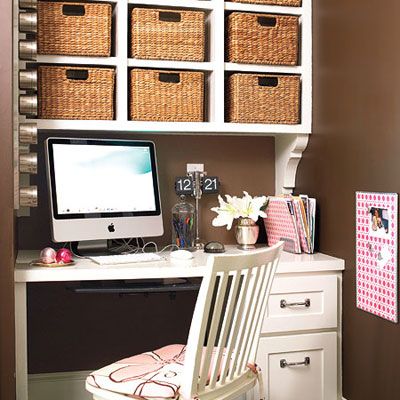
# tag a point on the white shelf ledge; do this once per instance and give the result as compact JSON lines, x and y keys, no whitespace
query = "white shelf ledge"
{"x":199,"y":4}
{"x":273,"y":69}
{"x":170,"y":127}
{"x":106,"y":61}
{"x":261,"y":8}
{"x":166,"y":64}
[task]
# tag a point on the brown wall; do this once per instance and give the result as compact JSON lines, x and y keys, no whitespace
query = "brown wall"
{"x":355,"y":146}
{"x":87,"y":330}
{"x":7,"y":383}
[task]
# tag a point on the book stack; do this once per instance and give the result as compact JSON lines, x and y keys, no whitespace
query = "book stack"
{"x":292,"y":220}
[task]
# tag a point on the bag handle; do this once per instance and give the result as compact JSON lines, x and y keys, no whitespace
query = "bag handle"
{"x":73,"y":10}
{"x":77,"y":74}
{"x":168,"y":77}
{"x":269,"y":22}
{"x":169,"y":16}
{"x":268,"y":81}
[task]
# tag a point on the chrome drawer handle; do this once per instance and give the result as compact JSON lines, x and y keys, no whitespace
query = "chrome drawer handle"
{"x":285,"y":364}
{"x":306,"y":303}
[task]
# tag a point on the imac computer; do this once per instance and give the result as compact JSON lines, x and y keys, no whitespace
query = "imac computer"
{"x":102,"y":189}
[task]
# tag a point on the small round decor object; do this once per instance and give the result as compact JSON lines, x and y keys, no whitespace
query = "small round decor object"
{"x":214,"y":247}
{"x":64,"y":256}
{"x":48,"y":255}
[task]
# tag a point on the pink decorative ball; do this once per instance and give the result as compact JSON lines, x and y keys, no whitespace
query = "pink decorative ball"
{"x":48,"y":255}
{"x":64,"y":256}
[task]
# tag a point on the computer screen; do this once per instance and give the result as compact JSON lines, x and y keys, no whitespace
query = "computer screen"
{"x":107,"y":180}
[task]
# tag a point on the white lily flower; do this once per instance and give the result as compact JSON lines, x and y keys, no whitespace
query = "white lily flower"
{"x":254,"y":210}
{"x":235,"y":207}
{"x":222,"y":219}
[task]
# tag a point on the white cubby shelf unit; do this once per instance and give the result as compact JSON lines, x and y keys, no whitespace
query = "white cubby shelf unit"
{"x":291,"y":140}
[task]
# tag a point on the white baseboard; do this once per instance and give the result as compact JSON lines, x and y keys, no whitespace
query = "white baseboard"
{"x":58,"y":385}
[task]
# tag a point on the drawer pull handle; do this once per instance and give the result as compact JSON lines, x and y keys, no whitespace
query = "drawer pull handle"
{"x":305,"y":303}
{"x":285,"y":364}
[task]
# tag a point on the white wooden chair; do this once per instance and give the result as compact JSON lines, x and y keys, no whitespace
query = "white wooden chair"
{"x":219,"y":359}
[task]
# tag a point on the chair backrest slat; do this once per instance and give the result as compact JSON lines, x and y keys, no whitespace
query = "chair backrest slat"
{"x":213,"y":330}
{"x":256,"y":314}
{"x":235,"y":327}
{"x":251,"y":310}
{"x":230,"y":306}
{"x":249,"y":301}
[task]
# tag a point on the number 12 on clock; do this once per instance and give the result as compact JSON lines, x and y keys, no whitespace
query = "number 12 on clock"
{"x":184,"y":185}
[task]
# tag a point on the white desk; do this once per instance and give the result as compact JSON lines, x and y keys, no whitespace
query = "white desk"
{"x":290,"y":265}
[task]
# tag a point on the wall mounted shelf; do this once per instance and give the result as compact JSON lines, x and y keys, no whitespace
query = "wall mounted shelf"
{"x":290,"y":140}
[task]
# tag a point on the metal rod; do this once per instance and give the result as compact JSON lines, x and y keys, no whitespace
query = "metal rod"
{"x":28,"y":196}
{"x":28,"y":163}
{"x":197,"y":195}
{"x":28,"y":22}
{"x":28,"y":104}
{"x":27,"y":49}
{"x":28,"y":133}
{"x":28,"y":79}
{"x":28,"y":4}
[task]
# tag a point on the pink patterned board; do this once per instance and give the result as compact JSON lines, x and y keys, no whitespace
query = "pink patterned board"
{"x":376,"y":253}
{"x":280,"y":224}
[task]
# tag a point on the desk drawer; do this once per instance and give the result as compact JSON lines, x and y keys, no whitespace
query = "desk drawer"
{"x":313,"y":378}
{"x":302,"y":303}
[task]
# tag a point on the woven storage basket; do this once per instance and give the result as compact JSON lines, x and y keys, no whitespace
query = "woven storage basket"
{"x":268,"y":99}
{"x":263,"y":39}
{"x":293,"y":3}
{"x":167,"y":34}
{"x":166,"y":95}
{"x":74,"y":28}
{"x":75,"y":93}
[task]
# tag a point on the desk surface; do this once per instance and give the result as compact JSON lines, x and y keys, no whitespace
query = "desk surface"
{"x":85,"y":269}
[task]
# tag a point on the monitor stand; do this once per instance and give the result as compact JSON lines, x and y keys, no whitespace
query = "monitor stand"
{"x":87,"y":248}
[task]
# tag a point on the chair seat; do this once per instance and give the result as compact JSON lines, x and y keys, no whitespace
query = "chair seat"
{"x":152,"y":375}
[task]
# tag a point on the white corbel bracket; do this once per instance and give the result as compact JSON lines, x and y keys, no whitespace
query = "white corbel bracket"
{"x":288,"y":152}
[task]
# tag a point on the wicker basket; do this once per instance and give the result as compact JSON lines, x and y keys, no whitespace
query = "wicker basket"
{"x":167,"y":34}
{"x":75,"y":93}
{"x":292,"y":3}
{"x":263,"y":39}
{"x":268,"y":99}
{"x":166,"y":95}
{"x":74,"y":29}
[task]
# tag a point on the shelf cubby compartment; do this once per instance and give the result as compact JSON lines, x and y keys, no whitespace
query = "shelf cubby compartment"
{"x":263,"y":98}
{"x":76,"y":29}
{"x":167,"y":95}
{"x":162,"y":33}
{"x":76,"y":92}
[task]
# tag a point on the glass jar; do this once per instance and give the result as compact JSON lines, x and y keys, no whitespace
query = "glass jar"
{"x":183,"y":226}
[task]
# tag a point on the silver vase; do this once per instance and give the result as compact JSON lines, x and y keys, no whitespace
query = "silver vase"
{"x":246,"y":233}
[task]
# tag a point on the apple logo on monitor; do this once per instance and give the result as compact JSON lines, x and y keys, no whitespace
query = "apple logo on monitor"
{"x":111,"y":228}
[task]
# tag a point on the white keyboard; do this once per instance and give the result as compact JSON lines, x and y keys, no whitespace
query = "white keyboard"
{"x":126,"y":258}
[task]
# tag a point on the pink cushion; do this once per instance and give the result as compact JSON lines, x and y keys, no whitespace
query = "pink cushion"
{"x":156,"y":374}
